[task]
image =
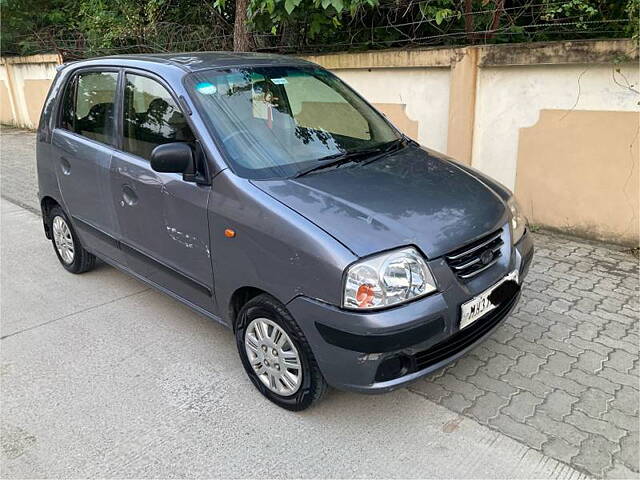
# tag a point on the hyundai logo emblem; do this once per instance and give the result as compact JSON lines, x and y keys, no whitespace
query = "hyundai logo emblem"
{"x":486,"y":257}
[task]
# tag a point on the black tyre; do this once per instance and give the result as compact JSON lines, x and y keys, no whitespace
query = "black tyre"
{"x":66,"y":244}
{"x":277,"y":356}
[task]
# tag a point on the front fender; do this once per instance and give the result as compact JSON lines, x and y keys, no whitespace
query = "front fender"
{"x":274,"y":248}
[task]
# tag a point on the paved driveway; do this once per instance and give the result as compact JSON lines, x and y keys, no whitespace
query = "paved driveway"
{"x":103,"y":377}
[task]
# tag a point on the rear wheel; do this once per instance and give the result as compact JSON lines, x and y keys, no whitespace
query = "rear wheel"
{"x":276,"y":355}
{"x":72,"y":255}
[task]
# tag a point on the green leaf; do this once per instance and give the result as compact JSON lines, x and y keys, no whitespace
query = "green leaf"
{"x":338,"y":5}
{"x":442,"y":14}
{"x":289,"y":6}
{"x":271,"y":6}
{"x":326,"y":3}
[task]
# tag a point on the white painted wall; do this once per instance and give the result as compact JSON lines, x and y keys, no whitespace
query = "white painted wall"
{"x":22,"y":72}
{"x":510,"y":98}
{"x":425,"y":92}
{"x":8,"y":104}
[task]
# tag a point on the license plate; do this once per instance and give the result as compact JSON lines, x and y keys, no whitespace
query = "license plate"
{"x":480,"y":305}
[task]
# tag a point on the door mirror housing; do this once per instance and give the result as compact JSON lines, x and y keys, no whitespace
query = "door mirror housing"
{"x":175,"y":157}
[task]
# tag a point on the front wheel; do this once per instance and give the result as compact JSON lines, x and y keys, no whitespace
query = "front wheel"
{"x":276,"y":355}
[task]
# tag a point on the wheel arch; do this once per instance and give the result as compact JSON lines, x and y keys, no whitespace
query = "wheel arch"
{"x":239,"y":298}
{"x":47,"y":203}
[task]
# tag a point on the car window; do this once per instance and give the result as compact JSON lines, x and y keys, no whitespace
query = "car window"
{"x":88,"y":104}
{"x":68,"y":106}
{"x":317,"y":106}
{"x":278,"y":121}
{"x":151,"y":117}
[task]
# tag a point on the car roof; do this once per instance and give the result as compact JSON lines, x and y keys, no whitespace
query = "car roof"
{"x":194,"y":61}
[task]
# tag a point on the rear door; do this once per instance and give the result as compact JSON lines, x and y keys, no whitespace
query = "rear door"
{"x":82,"y":143}
{"x":163,"y":218}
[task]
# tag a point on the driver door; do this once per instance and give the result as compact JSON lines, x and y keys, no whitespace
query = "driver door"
{"x":162,"y":218}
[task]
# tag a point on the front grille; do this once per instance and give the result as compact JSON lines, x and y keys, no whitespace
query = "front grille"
{"x":463,"y":338}
{"x":476,"y":257}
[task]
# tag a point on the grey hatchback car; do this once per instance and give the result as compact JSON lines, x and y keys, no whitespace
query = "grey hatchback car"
{"x":264,"y":193}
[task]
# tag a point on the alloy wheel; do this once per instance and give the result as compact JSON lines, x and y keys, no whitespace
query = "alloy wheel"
{"x":273,"y":356}
{"x":63,"y":240}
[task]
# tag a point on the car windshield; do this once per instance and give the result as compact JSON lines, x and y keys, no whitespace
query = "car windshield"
{"x":276,"y":122}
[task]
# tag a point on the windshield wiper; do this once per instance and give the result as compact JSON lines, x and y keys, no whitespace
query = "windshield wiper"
{"x":335,"y":163}
{"x":336,"y":160}
{"x":388,"y":148}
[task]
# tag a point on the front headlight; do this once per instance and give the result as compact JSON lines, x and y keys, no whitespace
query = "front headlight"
{"x":387,"y":279}
{"x":518,"y":220}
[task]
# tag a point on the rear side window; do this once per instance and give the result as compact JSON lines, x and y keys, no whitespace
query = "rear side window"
{"x":88,"y":106}
{"x":151,"y":117}
{"x":68,"y":106}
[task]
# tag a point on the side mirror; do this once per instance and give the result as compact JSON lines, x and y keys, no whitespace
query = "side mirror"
{"x":176,"y":157}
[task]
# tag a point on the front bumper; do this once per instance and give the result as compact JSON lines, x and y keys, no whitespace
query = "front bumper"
{"x":354,"y":350}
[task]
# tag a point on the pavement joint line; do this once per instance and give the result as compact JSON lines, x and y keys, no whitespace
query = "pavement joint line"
{"x":22,"y":205}
{"x":71,"y":314}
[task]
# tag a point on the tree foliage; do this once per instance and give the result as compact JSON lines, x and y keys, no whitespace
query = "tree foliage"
{"x":80,"y":28}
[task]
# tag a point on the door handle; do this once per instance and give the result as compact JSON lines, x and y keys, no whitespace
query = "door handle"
{"x":129,"y":196}
{"x":65,"y":166}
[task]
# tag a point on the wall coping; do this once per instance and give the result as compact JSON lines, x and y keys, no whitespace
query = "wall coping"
{"x":41,"y":58}
{"x":541,"y":53}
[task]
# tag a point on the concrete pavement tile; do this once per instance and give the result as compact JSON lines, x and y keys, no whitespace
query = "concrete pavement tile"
{"x":32,"y":274}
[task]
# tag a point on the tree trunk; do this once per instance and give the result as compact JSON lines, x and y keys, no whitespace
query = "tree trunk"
{"x":241,"y":36}
{"x":468,"y":20}
{"x":495,"y":22}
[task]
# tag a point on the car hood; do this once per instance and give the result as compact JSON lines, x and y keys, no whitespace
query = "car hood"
{"x":411,"y":197}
